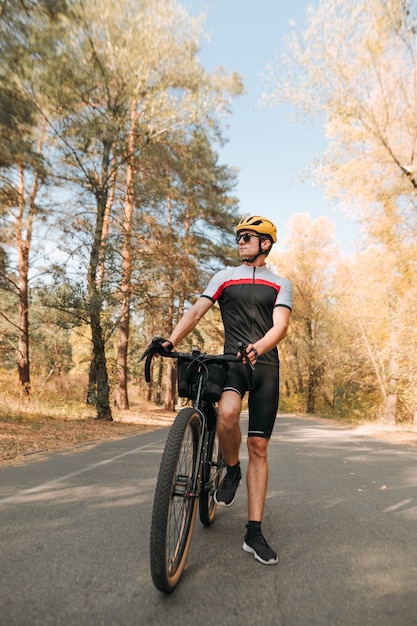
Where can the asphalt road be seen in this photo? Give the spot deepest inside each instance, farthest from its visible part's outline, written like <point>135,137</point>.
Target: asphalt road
<point>341,510</point>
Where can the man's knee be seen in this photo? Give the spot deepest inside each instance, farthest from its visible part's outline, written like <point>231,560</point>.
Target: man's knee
<point>258,447</point>
<point>229,410</point>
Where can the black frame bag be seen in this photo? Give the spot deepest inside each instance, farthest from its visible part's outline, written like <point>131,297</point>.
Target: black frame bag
<point>214,376</point>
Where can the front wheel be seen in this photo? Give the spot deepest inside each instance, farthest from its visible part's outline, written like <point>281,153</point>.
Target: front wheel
<point>174,509</point>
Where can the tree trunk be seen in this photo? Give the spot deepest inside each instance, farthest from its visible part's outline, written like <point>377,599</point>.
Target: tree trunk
<point>158,394</point>
<point>24,222</point>
<point>95,308</point>
<point>390,412</point>
<point>121,394</point>
<point>92,375</point>
<point>169,404</point>
<point>23,361</point>
<point>92,382</point>
<point>312,372</point>
<point>148,392</point>
<point>100,367</point>
<point>122,400</point>
<point>311,392</point>
<point>378,371</point>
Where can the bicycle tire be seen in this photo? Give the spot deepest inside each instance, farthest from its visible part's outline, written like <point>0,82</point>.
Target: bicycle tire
<point>213,468</point>
<point>174,510</point>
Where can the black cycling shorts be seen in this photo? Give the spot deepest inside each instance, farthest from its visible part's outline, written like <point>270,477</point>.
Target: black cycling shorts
<point>263,399</point>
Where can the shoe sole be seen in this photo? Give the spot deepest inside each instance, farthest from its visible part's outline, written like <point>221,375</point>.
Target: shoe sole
<point>257,557</point>
<point>220,503</point>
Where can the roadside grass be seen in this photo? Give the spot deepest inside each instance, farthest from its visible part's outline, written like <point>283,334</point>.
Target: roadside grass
<point>55,416</point>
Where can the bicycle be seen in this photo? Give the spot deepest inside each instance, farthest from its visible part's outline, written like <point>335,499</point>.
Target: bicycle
<point>192,465</point>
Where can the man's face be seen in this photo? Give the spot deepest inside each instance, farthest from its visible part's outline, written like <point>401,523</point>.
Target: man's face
<point>248,242</point>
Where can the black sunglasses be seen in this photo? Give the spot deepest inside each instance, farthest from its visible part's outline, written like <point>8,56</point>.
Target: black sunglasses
<point>245,236</point>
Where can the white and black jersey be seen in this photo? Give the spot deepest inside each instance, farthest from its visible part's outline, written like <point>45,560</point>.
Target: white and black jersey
<point>247,297</point>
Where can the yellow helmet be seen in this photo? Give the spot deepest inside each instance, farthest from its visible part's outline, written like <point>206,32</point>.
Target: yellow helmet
<point>259,224</point>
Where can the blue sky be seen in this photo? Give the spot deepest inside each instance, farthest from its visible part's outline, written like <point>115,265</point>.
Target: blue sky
<point>269,150</point>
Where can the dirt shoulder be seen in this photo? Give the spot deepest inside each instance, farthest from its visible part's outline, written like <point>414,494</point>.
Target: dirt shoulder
<point>401,434</point>
<point>26,439</point>
<point>23,439</point>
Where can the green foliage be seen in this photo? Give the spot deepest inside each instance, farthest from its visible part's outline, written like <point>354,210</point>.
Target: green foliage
<point>104,107</point>
<point>108,104</point>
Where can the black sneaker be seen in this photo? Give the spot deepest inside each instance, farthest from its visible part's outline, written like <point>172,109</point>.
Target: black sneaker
<point>256,544</point>
<point>225,495</point>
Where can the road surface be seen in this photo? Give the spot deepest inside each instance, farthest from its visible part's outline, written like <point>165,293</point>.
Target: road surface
<point>341,510</point>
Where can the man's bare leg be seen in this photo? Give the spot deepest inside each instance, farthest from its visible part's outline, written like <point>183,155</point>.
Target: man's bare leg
<point>228,427</point>
<point>257,477</point>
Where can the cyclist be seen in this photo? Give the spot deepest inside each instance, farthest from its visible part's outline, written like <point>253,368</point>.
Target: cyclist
<point>255,305</point>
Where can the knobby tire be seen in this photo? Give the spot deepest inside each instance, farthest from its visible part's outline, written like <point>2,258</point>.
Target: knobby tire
<point>174,511</point>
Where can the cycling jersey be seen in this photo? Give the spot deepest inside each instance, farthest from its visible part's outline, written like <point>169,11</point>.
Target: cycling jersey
<point>247,296</point>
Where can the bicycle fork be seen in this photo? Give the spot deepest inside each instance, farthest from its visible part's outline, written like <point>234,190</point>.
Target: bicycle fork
<point>193,492</point>
<point>184,488</point>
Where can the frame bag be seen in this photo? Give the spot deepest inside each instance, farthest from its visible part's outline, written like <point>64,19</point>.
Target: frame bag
<point>214,376</point>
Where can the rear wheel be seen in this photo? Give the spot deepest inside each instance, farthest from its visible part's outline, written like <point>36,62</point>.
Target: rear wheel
<point>213,469</point>
<point>175,507</point>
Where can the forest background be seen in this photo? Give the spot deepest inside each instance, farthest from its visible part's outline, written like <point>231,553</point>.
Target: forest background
<point>115,209</point>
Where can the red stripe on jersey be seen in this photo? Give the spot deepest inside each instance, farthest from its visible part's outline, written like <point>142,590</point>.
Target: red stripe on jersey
<point>244,281</point>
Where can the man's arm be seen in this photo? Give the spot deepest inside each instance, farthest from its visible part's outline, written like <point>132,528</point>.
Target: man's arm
<point>280,319</point>
<point>190,320</point>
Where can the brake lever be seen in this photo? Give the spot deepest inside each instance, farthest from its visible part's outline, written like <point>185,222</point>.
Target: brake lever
<point>243,352</point>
